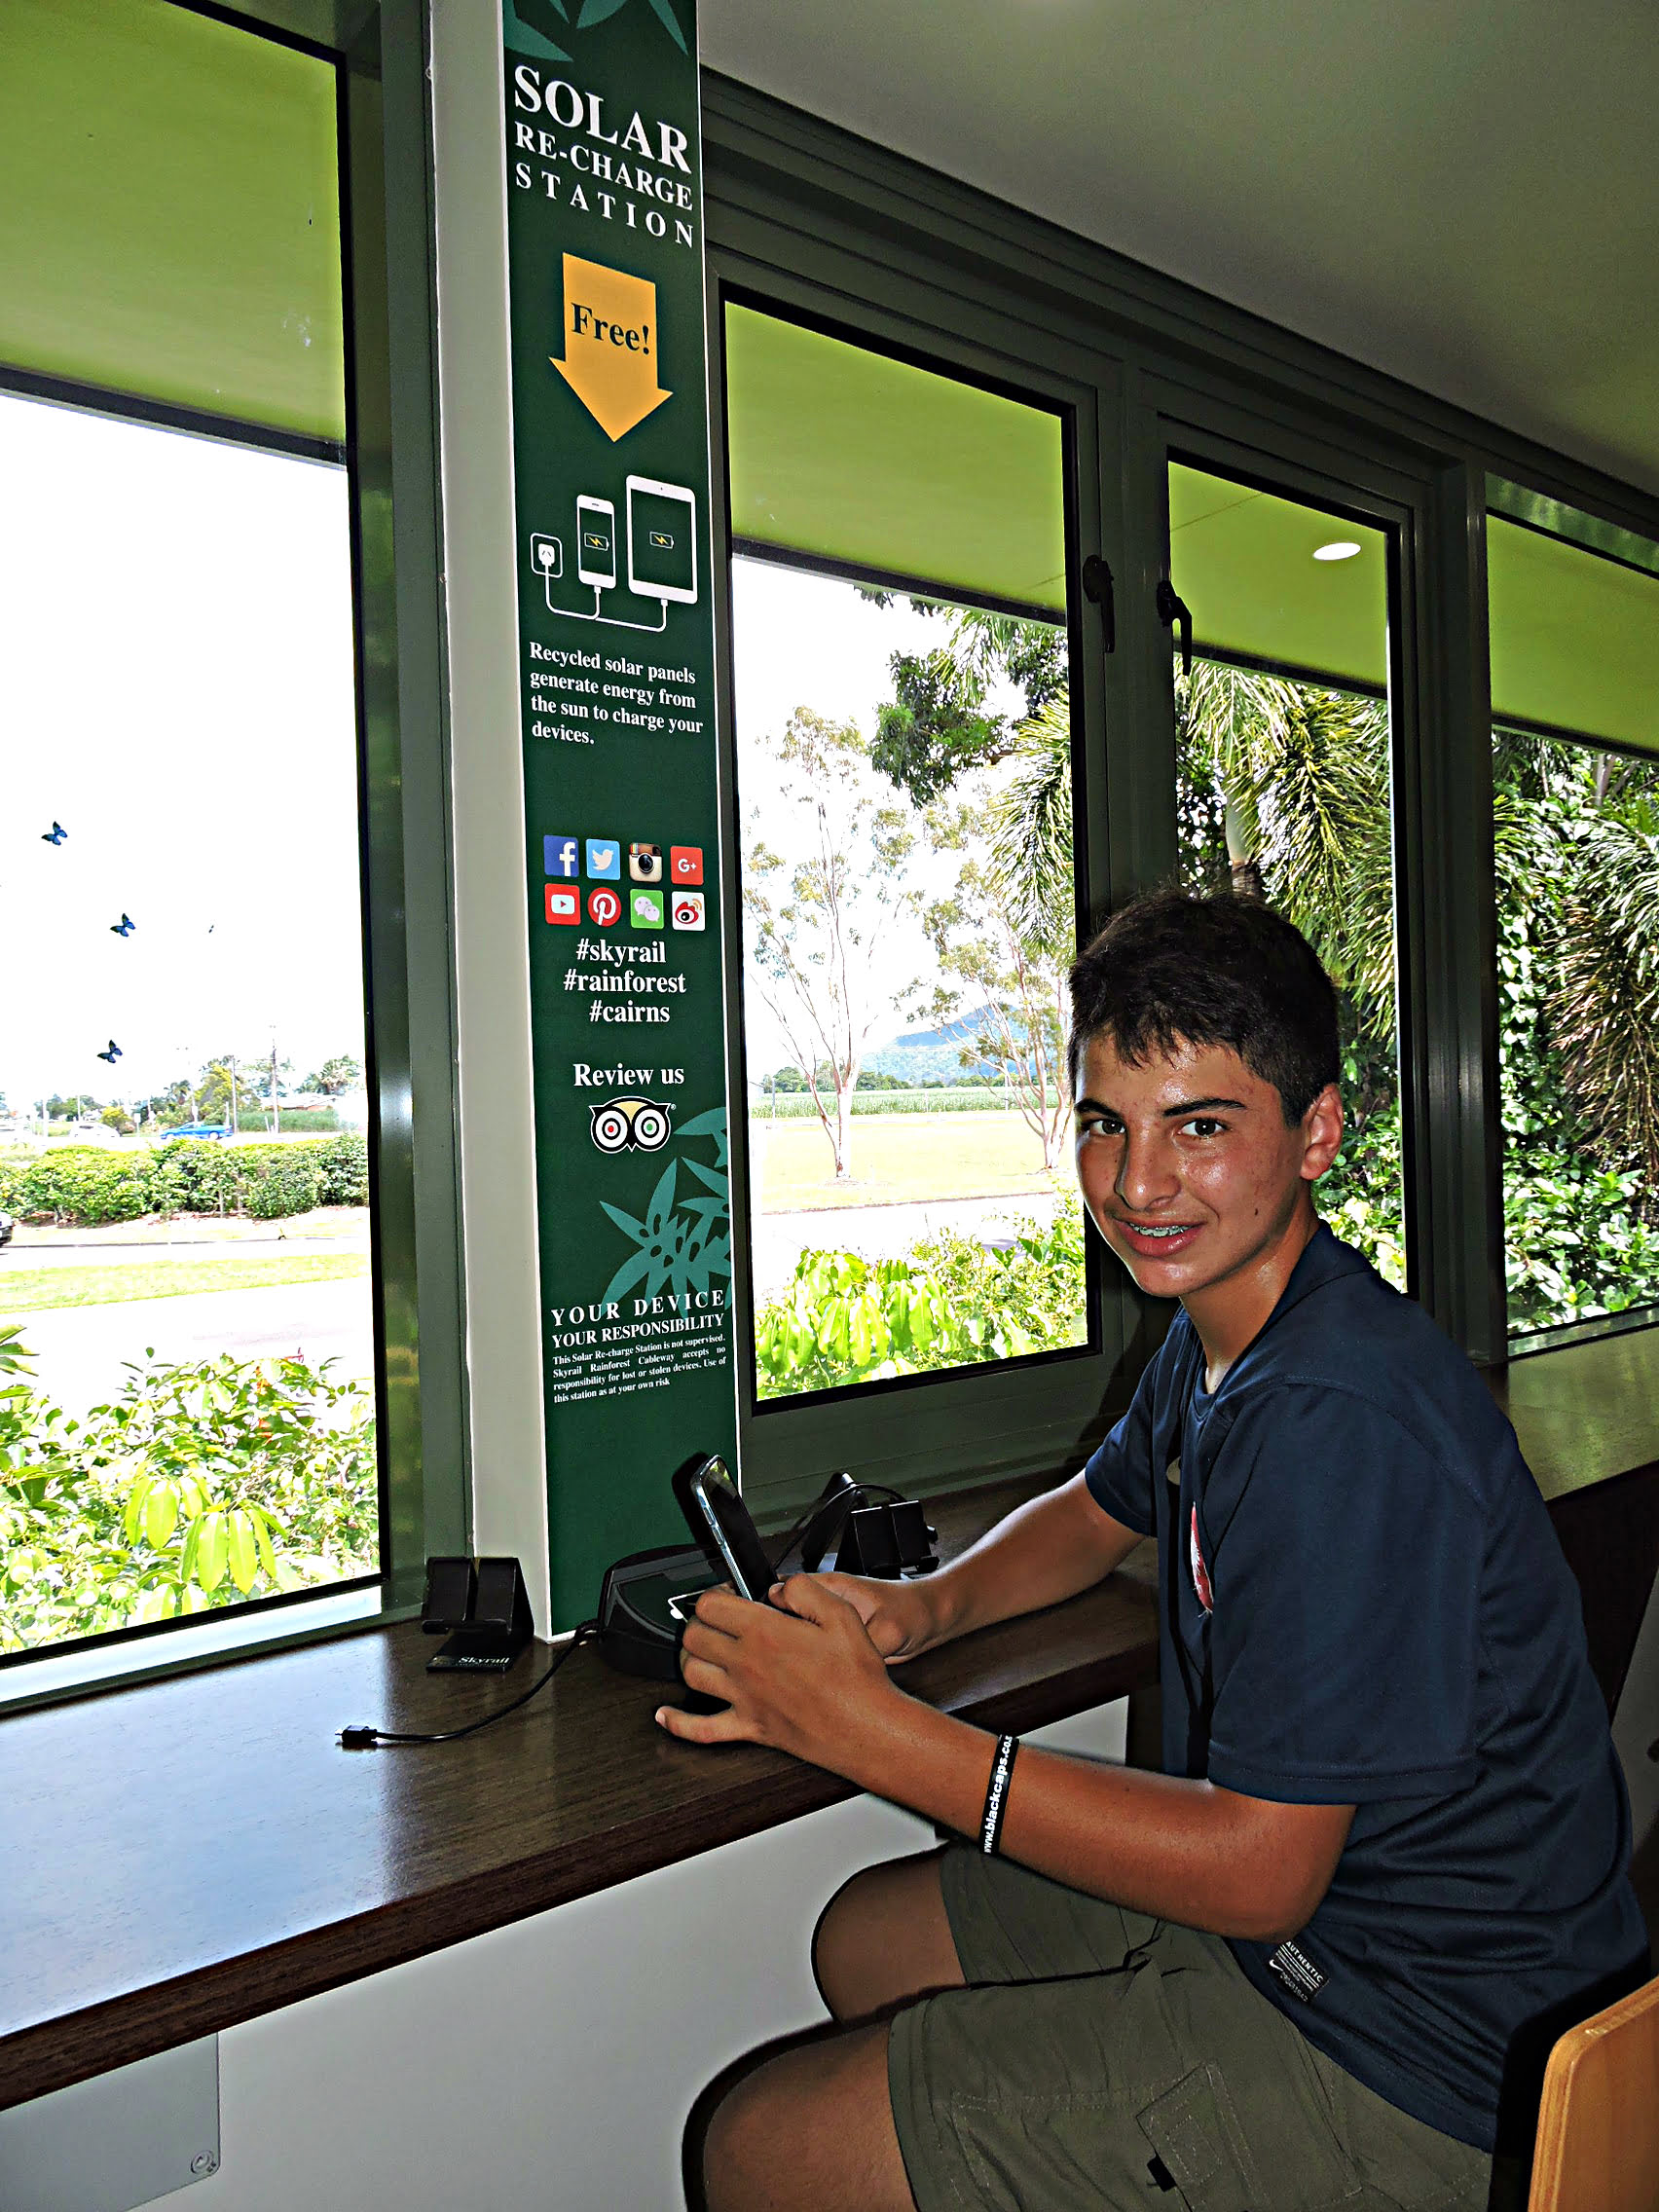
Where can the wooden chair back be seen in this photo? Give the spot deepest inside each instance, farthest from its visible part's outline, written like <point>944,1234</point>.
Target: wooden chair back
<point>1598,2141</point>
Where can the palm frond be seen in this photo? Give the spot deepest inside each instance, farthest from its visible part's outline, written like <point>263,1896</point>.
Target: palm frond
<point>1604,1004</point>
<point>1031,832</point>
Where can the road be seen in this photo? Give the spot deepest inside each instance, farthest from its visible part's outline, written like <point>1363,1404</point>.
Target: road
<point>78,1350</point>
<point>879,1233</point>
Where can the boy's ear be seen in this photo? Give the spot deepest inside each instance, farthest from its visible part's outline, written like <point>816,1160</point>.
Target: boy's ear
<point>1321,1133</point>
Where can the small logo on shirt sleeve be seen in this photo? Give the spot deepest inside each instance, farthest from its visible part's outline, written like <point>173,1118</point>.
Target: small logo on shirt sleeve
<point>1201,1572</point>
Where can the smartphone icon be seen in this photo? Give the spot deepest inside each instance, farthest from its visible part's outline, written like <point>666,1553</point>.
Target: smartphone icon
<point>596,541</point>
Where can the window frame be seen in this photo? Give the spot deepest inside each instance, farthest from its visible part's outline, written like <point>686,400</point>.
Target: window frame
<point>389,451</point>
<point>1552,516</point>
<point>805,218</point>
<point>921,1430</point>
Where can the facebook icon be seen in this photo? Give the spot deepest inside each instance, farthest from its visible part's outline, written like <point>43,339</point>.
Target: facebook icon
<point>561,856</point>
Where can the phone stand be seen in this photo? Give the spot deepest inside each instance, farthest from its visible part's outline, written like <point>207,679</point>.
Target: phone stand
<point>486,1609</point>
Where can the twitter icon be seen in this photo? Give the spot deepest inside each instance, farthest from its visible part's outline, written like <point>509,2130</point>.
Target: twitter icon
<point>603,859</point>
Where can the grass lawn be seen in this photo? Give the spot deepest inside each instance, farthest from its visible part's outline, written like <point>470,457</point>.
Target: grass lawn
<point>38,1289</point>
<point>899,1158</point>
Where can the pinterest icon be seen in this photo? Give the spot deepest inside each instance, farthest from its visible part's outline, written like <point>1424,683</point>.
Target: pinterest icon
<point>603,906</point>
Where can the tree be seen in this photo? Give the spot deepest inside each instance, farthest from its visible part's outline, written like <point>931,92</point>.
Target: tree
<point>936,724</point>
<point>1297,778</point>
<point>817,923</point>
<point>341,1073</point>
<point>1006,936</point>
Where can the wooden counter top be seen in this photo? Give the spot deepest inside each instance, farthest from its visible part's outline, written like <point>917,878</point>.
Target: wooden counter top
<point>187,1853</point>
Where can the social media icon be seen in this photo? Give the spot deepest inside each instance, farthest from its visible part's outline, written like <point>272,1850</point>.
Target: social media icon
<point>645,909</point>
<point>645,863</point>
<point>688,909</point>
<point>561,856</point>
<point>686,864</point>
<point>603,858</point>
<point>603,906</point>
<point>564,902</point>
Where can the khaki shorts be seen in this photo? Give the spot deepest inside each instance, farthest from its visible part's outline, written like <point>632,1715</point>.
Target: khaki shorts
<point>1101,2059</point>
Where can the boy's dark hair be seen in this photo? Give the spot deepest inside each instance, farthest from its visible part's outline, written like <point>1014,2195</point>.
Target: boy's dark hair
<point>1172,969</point>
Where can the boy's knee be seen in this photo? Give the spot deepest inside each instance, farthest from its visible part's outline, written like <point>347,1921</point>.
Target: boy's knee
<point>839,1943</point>
<point>736,2145</point>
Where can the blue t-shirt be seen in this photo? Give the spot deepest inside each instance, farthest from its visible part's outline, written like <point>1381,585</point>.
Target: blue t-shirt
<point>1364,1604</point>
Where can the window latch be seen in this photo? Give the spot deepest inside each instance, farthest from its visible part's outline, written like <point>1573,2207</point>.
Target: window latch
<point>1097,586</point>
<point>1173,608</point>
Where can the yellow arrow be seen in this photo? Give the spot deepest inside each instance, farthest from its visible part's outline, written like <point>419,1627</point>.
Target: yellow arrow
<point>611,345</point>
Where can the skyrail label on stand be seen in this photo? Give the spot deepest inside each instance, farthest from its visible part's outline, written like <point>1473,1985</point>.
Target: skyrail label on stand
<point>611,449</point>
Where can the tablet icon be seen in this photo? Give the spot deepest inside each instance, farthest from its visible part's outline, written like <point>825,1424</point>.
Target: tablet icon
<point>645,863</point>
<point>564,904</point>
<point>645,909</point>
<point>687,910</point>
<point>603,858</point>
<point>686,864</point>
<point>605,907</point>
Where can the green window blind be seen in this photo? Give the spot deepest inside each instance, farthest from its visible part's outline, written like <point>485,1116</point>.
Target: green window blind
<point>1243,562</point>
<point>1574,638</point>
<point>172,229</point>
<point>877,469</point>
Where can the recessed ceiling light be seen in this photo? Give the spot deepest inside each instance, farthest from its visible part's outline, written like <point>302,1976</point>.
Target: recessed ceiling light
<point>1339,549</point>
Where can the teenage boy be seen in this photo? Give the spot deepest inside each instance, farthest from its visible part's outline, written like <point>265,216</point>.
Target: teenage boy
<point>1387,1854</point>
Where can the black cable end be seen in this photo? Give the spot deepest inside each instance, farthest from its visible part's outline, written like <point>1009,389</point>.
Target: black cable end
<point>358,1738</point>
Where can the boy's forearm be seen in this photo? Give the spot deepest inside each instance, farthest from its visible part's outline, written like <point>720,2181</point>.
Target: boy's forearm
<point>1174,1849</point>
<point>1043,1552</point>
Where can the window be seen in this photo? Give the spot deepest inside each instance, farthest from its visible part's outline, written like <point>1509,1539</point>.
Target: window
<point>1283,780</point>
<point>904,773</point>
<point>1575,796</point>
<point>206,1199</point>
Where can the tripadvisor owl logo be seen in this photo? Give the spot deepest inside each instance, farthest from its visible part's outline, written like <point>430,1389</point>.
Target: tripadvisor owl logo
<point>631,1124</point>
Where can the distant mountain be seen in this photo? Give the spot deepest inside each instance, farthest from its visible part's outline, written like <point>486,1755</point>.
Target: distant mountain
<point>932,1055</point>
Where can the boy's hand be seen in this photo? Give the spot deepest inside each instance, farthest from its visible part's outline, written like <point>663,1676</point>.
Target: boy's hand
<point>897,1618</point>
<point>801,1673</point>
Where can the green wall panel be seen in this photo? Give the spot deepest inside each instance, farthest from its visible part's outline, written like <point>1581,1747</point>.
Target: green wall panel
<point>1574,637</point>
<point>172,217</point>
<point>869,462</point>
<point>1243,562</point>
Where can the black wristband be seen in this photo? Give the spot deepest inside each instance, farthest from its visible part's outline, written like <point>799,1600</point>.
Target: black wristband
<point>996,1794</point>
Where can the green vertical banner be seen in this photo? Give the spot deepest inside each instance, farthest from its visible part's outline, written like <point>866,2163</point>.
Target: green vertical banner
<point>611,449</point>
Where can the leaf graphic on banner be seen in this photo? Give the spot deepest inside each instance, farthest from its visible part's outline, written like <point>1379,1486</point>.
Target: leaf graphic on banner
<point>677,1250</point>
<point>712,1123</point>
<point>597,12</point>
<point>669,22</point>
<point>537,20</point>
<point>712,1176</point>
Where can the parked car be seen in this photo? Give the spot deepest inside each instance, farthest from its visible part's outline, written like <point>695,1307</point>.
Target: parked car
<point>7,1226</point>
<point>196,1130</point>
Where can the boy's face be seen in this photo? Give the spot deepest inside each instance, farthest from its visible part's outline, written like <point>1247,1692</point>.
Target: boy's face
<point>1190,1171</point>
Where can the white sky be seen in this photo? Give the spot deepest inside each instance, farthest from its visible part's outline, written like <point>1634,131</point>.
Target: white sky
<point>176,691</point>
<point>805,640</point>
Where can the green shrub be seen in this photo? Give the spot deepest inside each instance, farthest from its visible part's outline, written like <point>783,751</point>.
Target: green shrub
<point>277,1179</point>
<point>344,1164</point>
<point>75,1183</point>
<point>949,1301</point>
<point>194,1175</point>
<point>205,1483</point>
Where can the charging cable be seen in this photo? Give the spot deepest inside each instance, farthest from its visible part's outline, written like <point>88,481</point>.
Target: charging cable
<point>363,1738</point>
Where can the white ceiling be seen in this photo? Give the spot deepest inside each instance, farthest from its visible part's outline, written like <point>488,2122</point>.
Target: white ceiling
<point>1464,193</point>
